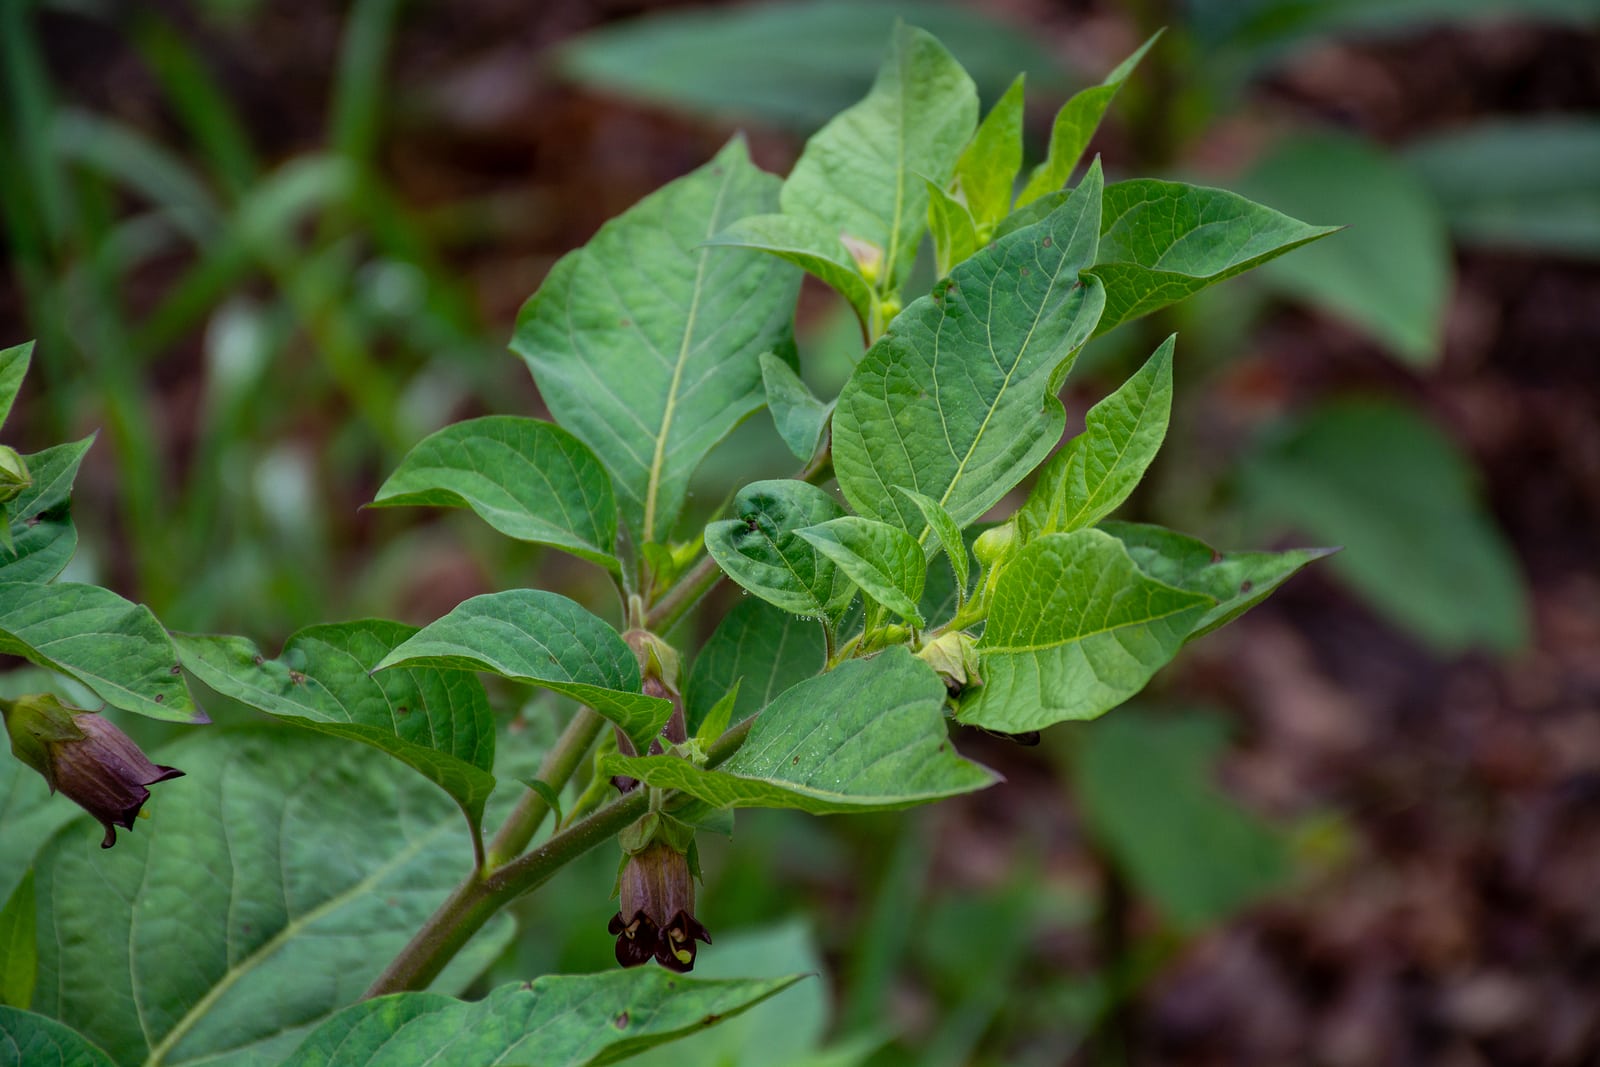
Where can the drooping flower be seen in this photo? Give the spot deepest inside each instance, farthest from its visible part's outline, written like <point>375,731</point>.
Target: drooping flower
<point>656,919</point>
<point>85,757</point>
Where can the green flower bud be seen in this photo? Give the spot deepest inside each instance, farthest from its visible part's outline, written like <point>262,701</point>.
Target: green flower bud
<point>954,656</point>
<point>995,544</point>
<point>85,757</point>
<point>14,476</point>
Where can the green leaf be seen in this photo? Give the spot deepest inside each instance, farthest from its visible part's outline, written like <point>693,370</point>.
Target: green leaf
<point>437,722</point>
<point>885,561</point>
<point>762,550</point>
<point>528,479</point>
<point>542,639</point>
<point>800,1015</point>
<point>956,400</point>
<point>1390,274</point>
<point>13,369</point>
<point>945,530</point>
<point>1402,499</point>
<point>986,173</point>
<point>42,535</point>
<point>19,951</point>
<point>1096,470</point>
<point>793,63</point>
<point>565,1020</point>
<point>29,1040</point>
<point>1145,789</point>
<point>1237,581</point>
<point>1163,241</point>
<point>867,735</point>
<point>116,648</point>
<point>646,344</point>
<point>29,813</point>
<point>1521,183</point>
<point>799,416</point>
<point>862,174</point>
<point>761,649</point>
<point>955,234</point>
<point>810,246</point>
<point>1073,128</point>
<point>1074,629</point>
<point>268,889</point>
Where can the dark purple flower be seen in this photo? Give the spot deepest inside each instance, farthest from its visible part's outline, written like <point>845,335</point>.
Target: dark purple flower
<point>81,754</point>
<point>657,917</point>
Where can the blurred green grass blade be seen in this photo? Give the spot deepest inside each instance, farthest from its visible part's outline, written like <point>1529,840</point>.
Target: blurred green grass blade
<point>1399,495</point>
<point>1531,183</point>
<point>886,932</point>
<point>125,155</point>
<point>358,90</point>
<point>1390,273</point>
<point>199,102</point>
<point>794,64</point>
<point>1143,785</point>
<point>28,103</point>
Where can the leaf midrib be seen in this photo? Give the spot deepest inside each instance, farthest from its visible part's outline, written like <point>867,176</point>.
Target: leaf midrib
<point>653,486</point>
<point>292,928</point>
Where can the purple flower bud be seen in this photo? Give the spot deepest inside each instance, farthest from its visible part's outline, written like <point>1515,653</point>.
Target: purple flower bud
<point>657,917</point>
<point>81,754</point>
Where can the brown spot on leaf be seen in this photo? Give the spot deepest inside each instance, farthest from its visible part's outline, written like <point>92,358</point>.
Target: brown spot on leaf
<point>621,1021</point>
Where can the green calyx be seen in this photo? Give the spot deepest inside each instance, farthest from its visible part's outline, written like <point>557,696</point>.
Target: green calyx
<point>36,722</point>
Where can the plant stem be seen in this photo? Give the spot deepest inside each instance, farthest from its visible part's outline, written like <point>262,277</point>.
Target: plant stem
<point>481,894</point>
<point>555,769</point>
<point>696,583</point>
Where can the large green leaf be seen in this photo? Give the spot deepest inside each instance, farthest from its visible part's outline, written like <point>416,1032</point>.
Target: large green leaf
<point>797,63</point>
<point>1096,470</point>
<point>867,735</point>
<point>1390,274</point>
<point>19,944</point>
<point>646,344</point>
<point>885,561</point>
<point>762,550</point>
<point>1144,786</point>
<point>956,400</point>
<point>13,369</point>
<point>543,639</point>
<point>1074,629</point>
<point>437,722</point>
<point>29,1040</point>
<point>1073,128</point>
<point>554,1021</point>
<point>864,174</point>
<point>42,535</point>
<point>1163,241</point>
<point>1523,184</point>
<point>269,888</point>
<point>528,479</point>
<point>114,647</point>
<point>758,647</point>
<point>1238,581</point>
<point>801,1015</point>
<point>28,811</point>
<point>1401,498</point>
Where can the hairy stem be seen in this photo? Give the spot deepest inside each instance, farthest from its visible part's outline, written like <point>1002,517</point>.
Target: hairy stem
<point>475,901</point>
<point>555,769</point>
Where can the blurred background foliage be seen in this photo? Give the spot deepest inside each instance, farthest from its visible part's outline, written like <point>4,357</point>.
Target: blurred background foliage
<point>265,247</point>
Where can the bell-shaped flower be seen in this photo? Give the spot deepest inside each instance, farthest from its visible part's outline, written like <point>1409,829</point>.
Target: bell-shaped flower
<point>85,757</point>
